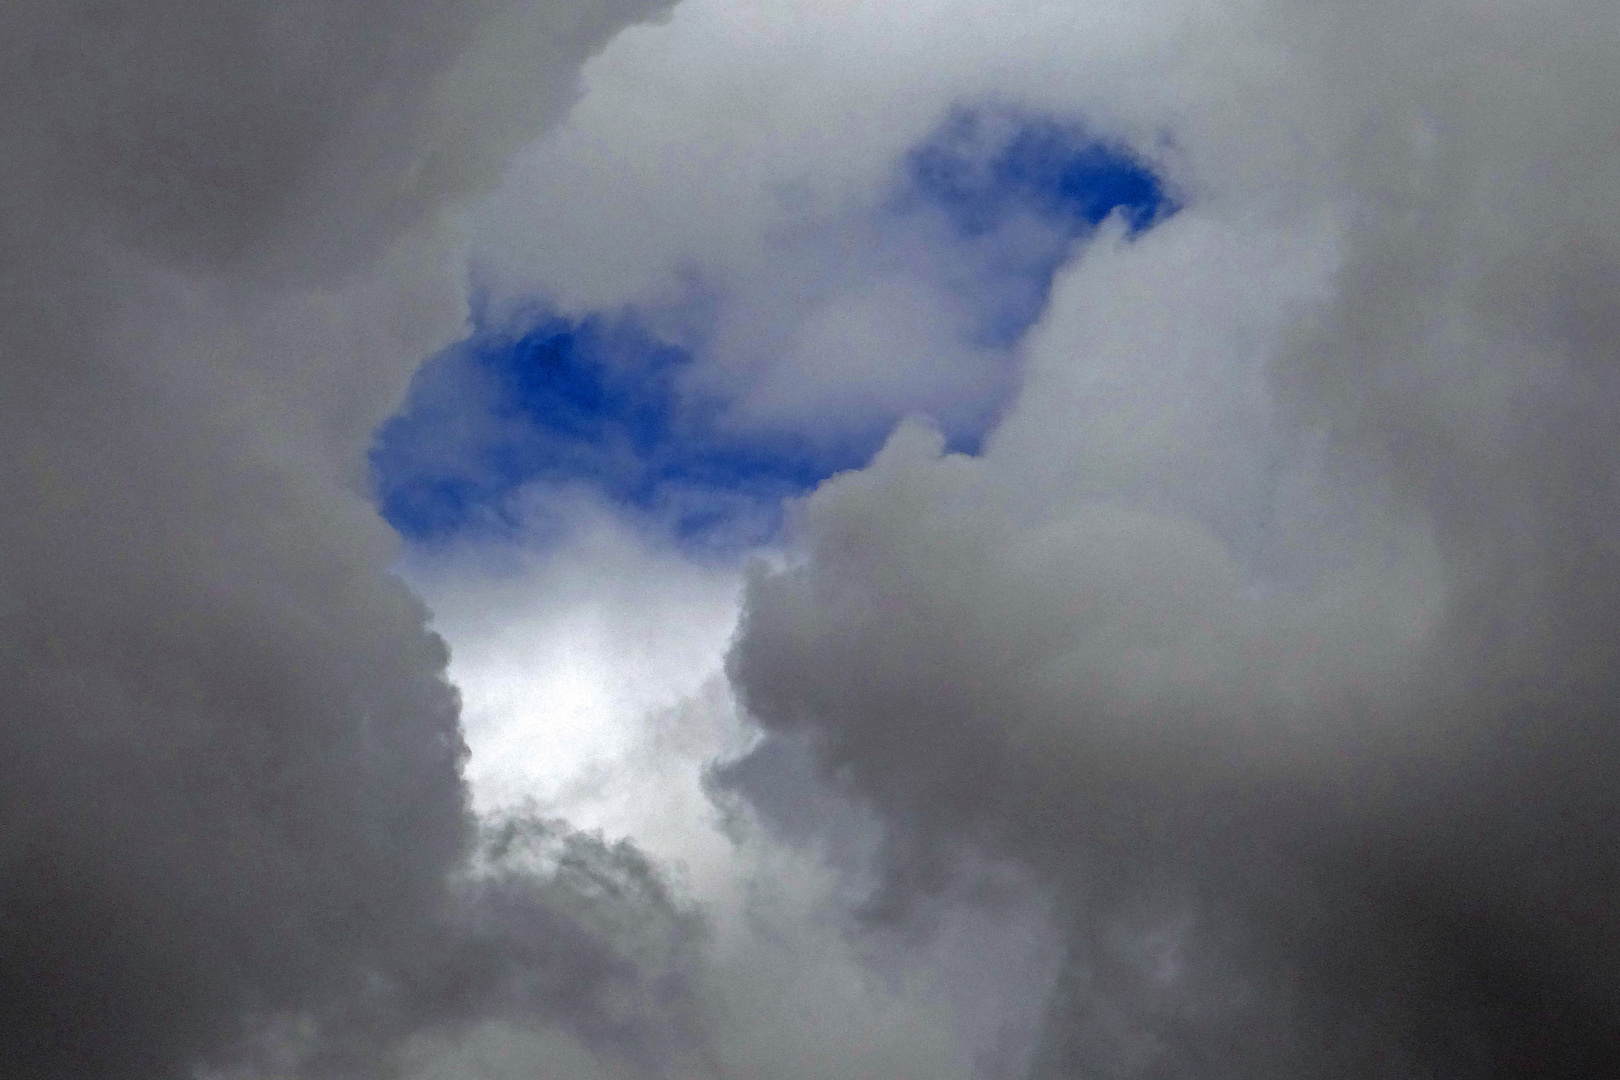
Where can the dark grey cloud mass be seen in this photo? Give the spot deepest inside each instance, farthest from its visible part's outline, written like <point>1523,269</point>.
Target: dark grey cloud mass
<point>232,816</point>
<point>1279,634</point>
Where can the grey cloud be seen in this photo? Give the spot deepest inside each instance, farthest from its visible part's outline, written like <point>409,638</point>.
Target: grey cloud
<point>546,924</point>
<point>232,762</point>
<point>286,140</point>
<point>1275,628</point>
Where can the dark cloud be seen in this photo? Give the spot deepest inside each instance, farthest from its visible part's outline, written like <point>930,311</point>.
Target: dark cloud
<point>1275,629</point>
<point>547,927</point>
<point>232,762</point>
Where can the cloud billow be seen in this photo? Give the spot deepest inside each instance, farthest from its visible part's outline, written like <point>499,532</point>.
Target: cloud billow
<point>233,764</point>
<point>1274,628</point>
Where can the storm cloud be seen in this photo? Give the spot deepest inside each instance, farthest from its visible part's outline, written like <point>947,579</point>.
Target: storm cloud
<point>233,803</point>
<point>1274,627</point>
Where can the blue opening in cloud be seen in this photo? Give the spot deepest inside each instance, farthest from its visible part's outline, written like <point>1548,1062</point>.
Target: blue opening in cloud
<point>988,170</point>
<point>591,405</point>
<point>983,166</point>
<point>597,404</point>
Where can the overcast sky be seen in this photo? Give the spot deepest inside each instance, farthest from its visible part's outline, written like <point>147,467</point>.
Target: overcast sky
<point>805,540</point>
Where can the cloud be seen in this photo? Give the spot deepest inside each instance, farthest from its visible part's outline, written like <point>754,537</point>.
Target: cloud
<point>1273,627</point>
<point>594,689</point>
<point>233,786</point>
<point>1221,661</point>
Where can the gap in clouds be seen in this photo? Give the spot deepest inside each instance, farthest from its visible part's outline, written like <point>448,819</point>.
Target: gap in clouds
<point>986,168</point>
<point>591,404</point>
<point>535,407</point>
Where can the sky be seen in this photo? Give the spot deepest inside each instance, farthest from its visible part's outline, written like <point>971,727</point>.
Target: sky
<point>805,540</point>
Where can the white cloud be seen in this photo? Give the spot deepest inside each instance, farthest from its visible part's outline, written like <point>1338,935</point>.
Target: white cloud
<point>592,684</point>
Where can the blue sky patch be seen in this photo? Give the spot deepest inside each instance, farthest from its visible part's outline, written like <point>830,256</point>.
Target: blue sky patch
<point>590,404</point>
<point>982,166</point>
<point>987,170</point>
<point>598,404</point>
